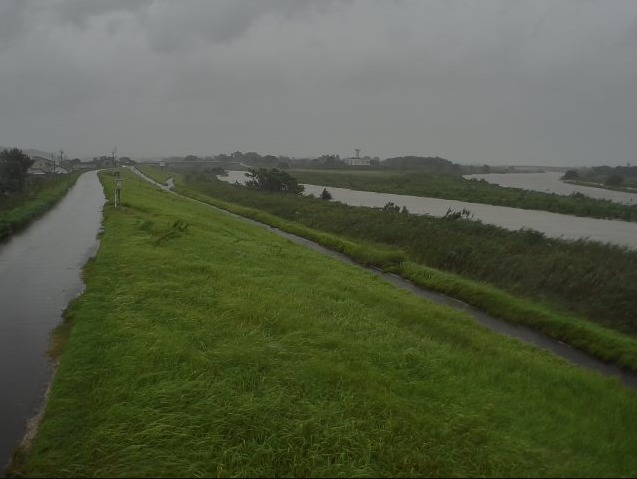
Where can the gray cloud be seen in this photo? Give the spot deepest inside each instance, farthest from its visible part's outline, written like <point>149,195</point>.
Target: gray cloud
<point>530,81</point>
<point>80,12</point>
<point>12,20</point>
<point>19,18</point>
<point>174,26</point>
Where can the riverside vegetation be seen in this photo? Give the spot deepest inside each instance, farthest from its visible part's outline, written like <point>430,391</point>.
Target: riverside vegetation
<point>455,187</point>
<point>159,175</point>
<point>562,288</point>
<point>224,350</point>
<point>618,178</point>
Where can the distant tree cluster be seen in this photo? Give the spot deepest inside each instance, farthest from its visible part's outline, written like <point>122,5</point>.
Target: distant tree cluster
<point>255,159</point>
<point>420,162</point>
<point>250,158</point>
<point>614,180</point>
<point>609,175</point>
<point>328,161</point>
<point>273,180</point>
<point>71,164</point>
<point>625,171</point>
<point>570,175</point>
<point>104,162</point>
<point>13,171</point>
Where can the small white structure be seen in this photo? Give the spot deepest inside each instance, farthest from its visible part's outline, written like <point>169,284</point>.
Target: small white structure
<point>357,160</point>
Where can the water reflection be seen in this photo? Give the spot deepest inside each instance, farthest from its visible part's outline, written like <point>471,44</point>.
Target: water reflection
<point>39,275</point>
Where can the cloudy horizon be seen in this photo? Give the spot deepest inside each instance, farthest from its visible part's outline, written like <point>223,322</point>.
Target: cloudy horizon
<point>532,82</point>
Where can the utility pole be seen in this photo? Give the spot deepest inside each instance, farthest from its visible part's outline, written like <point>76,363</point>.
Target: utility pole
<point>114,153</point>
<point>61,158</point>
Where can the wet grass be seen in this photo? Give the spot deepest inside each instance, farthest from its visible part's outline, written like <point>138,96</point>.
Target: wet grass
<point>228,351</point>
<point>373,237</point>
<point>628,186</point>
<point>455,187</point>
<point>582,277</point>
<point>158,174</point>
<point>17,212</point>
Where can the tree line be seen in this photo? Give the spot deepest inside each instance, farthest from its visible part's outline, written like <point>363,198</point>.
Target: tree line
<point>14,165</point>
<point>610,176</point>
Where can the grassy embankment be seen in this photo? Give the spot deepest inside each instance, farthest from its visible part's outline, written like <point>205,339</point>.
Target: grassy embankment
<point>160,175</point>
<point>629,186</point>
<point>455,187</point>
<point>224,350</point>
<point>18,211</point>
<point>579,292</point>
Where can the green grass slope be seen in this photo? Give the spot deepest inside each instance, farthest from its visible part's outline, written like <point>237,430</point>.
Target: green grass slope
<point>204,346</point>
<point>545,284</point>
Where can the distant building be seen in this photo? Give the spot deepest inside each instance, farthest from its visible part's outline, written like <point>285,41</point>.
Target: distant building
<point>357,160</point>
<point>104,162</point>
<point>76,164</point>
<point>42,166</point>
<point>126,161</point>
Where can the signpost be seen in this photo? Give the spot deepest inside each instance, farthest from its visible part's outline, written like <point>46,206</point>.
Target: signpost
<point>118,189</point>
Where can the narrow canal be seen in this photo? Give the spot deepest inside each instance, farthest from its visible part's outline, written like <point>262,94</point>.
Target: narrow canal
<point>40,272</point>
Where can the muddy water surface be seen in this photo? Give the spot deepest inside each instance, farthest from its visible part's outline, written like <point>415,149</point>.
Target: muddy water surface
<point>551,224</point>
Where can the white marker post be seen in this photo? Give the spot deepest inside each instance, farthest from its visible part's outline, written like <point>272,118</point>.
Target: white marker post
<point>118,190</point>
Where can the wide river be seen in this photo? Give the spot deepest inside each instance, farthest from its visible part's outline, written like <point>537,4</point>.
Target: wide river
<point>39,275</point>
<point>549,182</point>
<point>552,224</point>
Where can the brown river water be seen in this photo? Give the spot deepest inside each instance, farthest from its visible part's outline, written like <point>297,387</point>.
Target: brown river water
<point>552,224</point>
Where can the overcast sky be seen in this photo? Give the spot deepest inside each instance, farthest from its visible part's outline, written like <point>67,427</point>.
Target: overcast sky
<point>502,82</point>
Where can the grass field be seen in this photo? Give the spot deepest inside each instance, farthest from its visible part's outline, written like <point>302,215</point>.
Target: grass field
<point>628,186</point>
<point>563,288</point>
<point>17,212</point>
<point>158,174</point>
<point>455,187</point>
<point>204,346</point>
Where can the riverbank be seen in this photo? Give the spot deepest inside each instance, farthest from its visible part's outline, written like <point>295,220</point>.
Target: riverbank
<point>28,206</point>
<point>455,187</point>
<point>515,331</point>
<point>603,186</point>
<point>225,350</point>
<point>560,288</point>
<point>161,175</point>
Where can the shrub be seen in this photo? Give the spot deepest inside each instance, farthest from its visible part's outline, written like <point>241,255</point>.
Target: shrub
<point>273,180</point>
